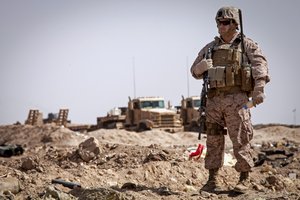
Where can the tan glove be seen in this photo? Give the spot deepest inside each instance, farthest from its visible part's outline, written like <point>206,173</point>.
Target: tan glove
<point>258,95</point>
<point>201,67</point>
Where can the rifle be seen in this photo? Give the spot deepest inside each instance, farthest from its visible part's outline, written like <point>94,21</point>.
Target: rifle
<point>203,96</point>
<point>247,80</point>
<point>242,34</point>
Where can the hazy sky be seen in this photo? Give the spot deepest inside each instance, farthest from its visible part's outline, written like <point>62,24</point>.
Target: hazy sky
<point>82,55</point>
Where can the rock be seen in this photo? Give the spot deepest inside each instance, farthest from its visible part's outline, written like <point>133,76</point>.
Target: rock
<point>189,182</point>
<point>258,187</point>
<point>271,180</point>
<point>129,186</point>
<point>293,176</point>
<point>29,163</point>
<point>7,195</point>
<point>52,193</point>
<point>155,157</point>
<point>189,188</point>
<point>89,149</point>
<point>10,184</point>
<point>205,194</point>
<point>99,194</point>
<point>164,191</point>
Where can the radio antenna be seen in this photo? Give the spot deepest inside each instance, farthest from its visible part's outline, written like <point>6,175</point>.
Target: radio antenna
<point>187,75</point>
<point>133,71</point>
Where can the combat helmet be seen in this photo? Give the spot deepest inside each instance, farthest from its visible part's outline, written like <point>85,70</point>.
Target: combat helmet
<point>228,12</point>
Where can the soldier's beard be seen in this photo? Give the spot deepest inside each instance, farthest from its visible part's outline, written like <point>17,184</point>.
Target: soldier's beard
<point>229,33</point>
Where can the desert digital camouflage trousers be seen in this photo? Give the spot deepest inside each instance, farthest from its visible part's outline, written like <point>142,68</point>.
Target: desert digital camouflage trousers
<point>227,110</point>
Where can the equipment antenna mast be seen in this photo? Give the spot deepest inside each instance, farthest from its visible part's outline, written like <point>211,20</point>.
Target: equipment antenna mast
<point>187,75</point>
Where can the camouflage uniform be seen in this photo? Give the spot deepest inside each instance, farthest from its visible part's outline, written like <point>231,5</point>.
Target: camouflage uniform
<point>224,108</point>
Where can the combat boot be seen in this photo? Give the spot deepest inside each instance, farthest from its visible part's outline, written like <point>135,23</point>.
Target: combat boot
<point>212,185</point>
<point>244,183</point>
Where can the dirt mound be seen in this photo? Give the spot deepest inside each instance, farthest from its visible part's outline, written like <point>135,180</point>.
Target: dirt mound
<point>117,164</point>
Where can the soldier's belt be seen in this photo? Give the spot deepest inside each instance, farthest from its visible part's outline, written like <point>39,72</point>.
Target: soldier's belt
<point>224,91</point>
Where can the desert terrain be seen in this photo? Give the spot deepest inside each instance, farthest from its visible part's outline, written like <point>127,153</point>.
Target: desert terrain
<point>119,165</point>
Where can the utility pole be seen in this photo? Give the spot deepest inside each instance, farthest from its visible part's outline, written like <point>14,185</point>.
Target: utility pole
<point>133,70</point>
<point>187,75</point>
<point>294,116</point>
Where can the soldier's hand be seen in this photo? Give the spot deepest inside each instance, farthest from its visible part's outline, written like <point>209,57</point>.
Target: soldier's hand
<point>202,67</point>
<point>209,63</point>
<point>258,95</point>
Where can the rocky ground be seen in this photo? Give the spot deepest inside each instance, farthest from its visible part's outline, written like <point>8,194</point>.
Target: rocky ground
<point>117,164</point>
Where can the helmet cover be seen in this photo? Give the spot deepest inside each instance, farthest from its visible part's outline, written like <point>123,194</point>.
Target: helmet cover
<point>228,12</point>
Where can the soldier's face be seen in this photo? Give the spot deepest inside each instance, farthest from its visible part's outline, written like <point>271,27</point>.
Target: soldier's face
<point>226,27</point>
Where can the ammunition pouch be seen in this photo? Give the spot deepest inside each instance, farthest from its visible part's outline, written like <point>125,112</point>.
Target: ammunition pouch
<point>216,76</point>
<point>247,79</point>
<point>215,129</point>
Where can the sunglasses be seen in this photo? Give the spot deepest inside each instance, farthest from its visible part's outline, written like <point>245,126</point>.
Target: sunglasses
<point>225,23</point>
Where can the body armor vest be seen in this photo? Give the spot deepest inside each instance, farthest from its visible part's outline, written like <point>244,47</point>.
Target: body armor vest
<point>228,71</point>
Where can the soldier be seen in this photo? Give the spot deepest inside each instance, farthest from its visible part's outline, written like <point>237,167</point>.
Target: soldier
<point>236,70</point>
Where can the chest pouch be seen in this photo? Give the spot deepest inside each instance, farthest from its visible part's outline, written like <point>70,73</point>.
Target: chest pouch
<point>229,76</point>
<point>227,72</point>
<point>217,76</point>
<point>247,80</point>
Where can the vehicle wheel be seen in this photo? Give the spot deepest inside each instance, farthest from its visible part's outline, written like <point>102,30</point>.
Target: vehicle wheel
<point>194,127</point>
<point>142,127</point>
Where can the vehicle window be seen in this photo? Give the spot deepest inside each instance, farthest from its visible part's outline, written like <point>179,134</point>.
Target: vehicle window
<point>152,104</point>
<point>197,103</point>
